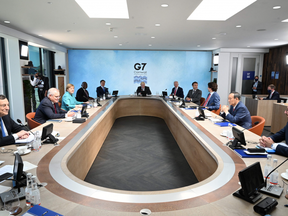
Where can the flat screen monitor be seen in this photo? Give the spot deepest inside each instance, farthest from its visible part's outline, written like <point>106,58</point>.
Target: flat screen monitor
<point>17,170</point>
<point>47,135</point>
<point>201,112</point>
<point>239,139</point>
<point>115,93</point>
<point>84,109</point>
<point>164,93</point>
<point>251,179</point>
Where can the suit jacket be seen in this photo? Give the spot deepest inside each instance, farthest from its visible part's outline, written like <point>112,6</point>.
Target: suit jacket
<point>100,91</point>
<point>147,90</point>
<point>81,95</point>
<point>11,127</point>
<point>259,88</point>
<point>240,115</point>
<point>46,111</point>
<point>275,96</point>
<point>279,137</point>
<point>196,96</point>
<point>179,92</point>
<point>214,101</point>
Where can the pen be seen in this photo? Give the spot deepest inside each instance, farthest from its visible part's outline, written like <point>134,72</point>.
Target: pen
<point>45,213</point>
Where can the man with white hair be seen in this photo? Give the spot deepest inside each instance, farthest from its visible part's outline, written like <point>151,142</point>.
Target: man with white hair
<point>49,108</point>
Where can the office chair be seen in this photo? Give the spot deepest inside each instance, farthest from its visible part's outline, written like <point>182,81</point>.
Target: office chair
<point>258,123</point>
<point>31,123</point>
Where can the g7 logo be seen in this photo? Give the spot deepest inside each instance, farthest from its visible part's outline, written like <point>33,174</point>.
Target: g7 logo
<point>137,66</point>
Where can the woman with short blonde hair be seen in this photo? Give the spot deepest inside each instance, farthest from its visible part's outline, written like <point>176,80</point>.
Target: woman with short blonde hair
<point>68,100</point>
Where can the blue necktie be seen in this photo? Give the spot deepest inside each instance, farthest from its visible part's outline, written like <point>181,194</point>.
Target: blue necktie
<point>103,89</point>
<point>2,127</point>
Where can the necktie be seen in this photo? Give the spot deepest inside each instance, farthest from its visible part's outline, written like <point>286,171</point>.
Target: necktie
<point>2,127</point>
<point>86,92</point>
<point>175,91</point>
<point>207,100</point>
<point>103,89</point>
<point>271,95</point>
<point>55,108</point>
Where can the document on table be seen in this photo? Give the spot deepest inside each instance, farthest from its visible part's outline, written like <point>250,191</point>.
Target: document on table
<point>28,140</point>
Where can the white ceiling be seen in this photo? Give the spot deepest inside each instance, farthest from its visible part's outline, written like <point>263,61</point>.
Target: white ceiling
<point>63,21</point>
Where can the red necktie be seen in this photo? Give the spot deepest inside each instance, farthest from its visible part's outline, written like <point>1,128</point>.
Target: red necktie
<point>175,91</point>
<point>207,100</point>
<point>55,108</point>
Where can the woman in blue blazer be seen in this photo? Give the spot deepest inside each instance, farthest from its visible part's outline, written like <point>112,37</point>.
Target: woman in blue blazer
<point>68,100</point>
<point>212,101</point>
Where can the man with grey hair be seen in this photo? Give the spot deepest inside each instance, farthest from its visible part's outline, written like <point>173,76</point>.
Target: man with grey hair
<point>238,112</point>
<point>49,108</point>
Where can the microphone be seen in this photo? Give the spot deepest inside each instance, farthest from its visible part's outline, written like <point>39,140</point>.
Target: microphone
<point>19,121</point>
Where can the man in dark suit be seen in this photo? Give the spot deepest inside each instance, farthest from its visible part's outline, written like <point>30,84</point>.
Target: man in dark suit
<point>82,94</point>
<point>143,90</point>
<point>101,90</point>
<point>272,94</point>
<point>212,101</point>
<point>49,108</point>
<point>238,112</point>
<point>275,141</point>
<point>177,91</point>
<point>194,95</point>
<point>256,86</point>
<point>10,130</point>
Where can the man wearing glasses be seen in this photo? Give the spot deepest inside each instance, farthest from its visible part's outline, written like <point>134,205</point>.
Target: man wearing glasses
<point>275,141</point>
<point>9,130</point>
<point>49,108</point>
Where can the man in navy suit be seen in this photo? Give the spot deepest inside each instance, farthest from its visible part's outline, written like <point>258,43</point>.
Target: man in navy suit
<point>273,95</point>
<point>212,101</point>
<point>177,91</point>
<point>101,90</point>
<point>10,130</point>
<point>275,141</point>
<point>143,90</point>
<point>49,108</point>
<point>238,112</point>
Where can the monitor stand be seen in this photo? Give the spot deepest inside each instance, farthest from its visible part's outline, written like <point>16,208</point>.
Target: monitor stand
<point>252,199</point>
<point>51,140</point>
<point>236,145</point>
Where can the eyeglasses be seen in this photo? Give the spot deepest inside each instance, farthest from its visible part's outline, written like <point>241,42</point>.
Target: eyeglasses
<point>57,97</point>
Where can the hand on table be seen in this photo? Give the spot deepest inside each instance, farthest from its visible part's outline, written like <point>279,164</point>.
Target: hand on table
<point>266,142</point>
<point>224,108</point>
<point>23,134</point>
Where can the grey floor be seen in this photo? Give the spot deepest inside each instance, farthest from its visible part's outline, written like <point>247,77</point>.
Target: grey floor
<point>266,131</point>
<point>140,154</point>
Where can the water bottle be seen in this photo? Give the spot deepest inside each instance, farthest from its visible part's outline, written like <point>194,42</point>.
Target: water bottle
<point>78,114</point>
<point>268,168</point>
<point>197,112</point>
<point>28,189</point>
<point>229,132</point>
<point>37,141</point>
<point>35,193</point>
<point>275,174</point>
<point>104,97</point>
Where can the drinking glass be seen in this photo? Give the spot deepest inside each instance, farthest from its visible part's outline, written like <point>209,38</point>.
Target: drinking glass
<point>12,205</point>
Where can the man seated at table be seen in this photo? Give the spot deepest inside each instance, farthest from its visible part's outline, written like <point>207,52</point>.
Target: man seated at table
<point>10,130</point>
<point>177,90</point>
<point>194,95</point>
<point>82,94</point>
<point>49,108</point>
<point>238,112</point>
<point>273,95</point>
<point>143,90</point>
<point>275,141</point>
<point>101,90</point>
<point>212,101</point>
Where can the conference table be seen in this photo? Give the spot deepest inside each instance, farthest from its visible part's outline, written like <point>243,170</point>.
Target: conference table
<point>216,166</point>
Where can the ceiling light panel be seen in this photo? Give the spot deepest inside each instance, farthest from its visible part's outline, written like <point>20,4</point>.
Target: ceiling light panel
<point>218,10</point>
<point>117,9</point>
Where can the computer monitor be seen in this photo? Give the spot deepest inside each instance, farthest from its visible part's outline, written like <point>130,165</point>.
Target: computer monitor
<point>18,172</point>
<point>115,93</point>
<point>47,135</point>
<point>239,139</point>
<point>84,111</point>
<point>164,93</point>
<point>251,179</point>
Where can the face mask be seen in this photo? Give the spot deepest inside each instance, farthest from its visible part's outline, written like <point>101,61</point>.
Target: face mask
<point>269,92</point>
<point>256,80</point>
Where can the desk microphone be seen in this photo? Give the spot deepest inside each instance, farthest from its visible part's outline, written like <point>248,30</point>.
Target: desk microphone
<point>19,121</point>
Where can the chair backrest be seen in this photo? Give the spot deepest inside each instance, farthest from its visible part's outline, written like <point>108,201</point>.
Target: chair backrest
<point>282,99</point>
<point>257,128</point>
<point>31,123</point>
<point>217,112</point>
<point>202,101</point>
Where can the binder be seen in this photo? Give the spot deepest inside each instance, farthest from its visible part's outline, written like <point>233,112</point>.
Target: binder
<point>39,211</point>
<point>242,154</point>
<point>224,124</point>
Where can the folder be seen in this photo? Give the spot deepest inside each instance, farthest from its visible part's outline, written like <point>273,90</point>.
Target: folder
<point>39,211</point>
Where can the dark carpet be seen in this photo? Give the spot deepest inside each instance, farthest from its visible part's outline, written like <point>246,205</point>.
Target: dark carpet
<point>140,154</point>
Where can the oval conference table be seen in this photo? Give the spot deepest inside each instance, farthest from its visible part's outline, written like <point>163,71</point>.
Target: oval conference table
<point>216,166</point>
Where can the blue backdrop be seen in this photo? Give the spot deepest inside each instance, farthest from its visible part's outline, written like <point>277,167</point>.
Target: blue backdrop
<point>123,70</point>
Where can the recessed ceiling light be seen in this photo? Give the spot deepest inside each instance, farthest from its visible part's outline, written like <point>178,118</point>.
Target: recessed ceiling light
<point>276,39</point>
<point>164,5</point>
<point>120,44</point>
<point>198,45</point>
<point>157,24</point>
<point>213,38</point>
<point>152,37</point>
<point>276,7</point>
<point>115,36</point>
<point>108,23</point>
<point>218,10</point>
<point>105,8</point>
<point>7,21</point>
<point>238,26</point>
<point>248,46</point>
<point>150,45</point>
<point>285,20</point>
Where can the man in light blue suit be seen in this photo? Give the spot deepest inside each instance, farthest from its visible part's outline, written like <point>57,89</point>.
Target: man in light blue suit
<point>238,112</point>
<point>275,141</point>
<point>212,101</point>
